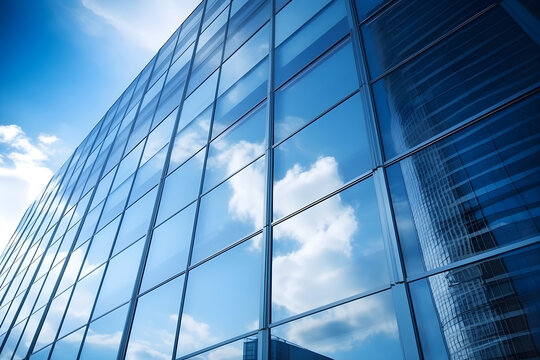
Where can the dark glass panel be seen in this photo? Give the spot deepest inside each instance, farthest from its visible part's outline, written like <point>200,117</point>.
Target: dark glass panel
<point>479,66</point>
<point>246,17</point>
<point>471,192</point>
<point>408,26</point>
<point>487,310</point>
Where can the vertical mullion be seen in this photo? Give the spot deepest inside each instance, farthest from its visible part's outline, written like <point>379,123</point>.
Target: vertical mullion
<point>263,348</point>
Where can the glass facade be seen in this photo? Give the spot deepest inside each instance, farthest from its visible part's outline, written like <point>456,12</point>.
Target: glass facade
<point>305,179</point>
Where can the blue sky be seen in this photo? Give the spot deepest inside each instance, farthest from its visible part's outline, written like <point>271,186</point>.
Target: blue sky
<point>63,64</point>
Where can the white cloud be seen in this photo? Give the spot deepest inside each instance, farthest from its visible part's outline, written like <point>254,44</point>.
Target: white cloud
<point>146,24</point>
<point>24,172</point>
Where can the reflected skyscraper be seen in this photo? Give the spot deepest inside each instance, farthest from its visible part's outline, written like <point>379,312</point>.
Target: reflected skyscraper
<point>299,179</point>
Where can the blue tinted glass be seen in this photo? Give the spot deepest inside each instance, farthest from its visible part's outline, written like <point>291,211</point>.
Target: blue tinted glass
<point>486,310</point>
<point>250,54</point>
<point>148,175</point>
<point>198,101</point>
<point>136,221</point>
<point>388,41</point>
<point>181,187</point>
<point>231,211</point>
<point>190,27</point>
<point>234,278</point>
<point>190,139</point>
<point>103,336</point>
<point>236,147</point>
<point>100,247</point>
<point>245,349</point>
<point>243,95</point>
<point>116,201</point>
<point>154,324</point>
<point>484,197</point>
<point>362,329</point>
<point>174,86</point>
<point>53,319</point>
<point>304,29</point>
<point>73,267</point>
<point>81,302</point>
<point>119,279</point>
<point>329,252</point>
<point>321,158</point>
<point>42,354</point>
<point>28,335</point>
<point>366,8</point>
<point>169,248</point>
<point>303,98</point>
<point>163,58</point>
<point>68,347</point>
<point>483,63</point>
<point>246,17</point>
<point>159,137</point>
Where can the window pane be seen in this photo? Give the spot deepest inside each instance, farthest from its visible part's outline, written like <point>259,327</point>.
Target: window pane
<point>190,139</point>
<point>333,250</point>
<point>68,347</point>
<point>148,176</point>
<point>363,329</point>
<point>408,26</point>
<point>245,349</point>
<point>237,147</point>
<point>181,187</point>
<point>159,137</point>
<point>321,158</point>
<point>197,102</point>
<point>53,319</point>
<point>471,192</point>
<point>169,248</point>
<point>246,17</point>
<point>230,212</point>
<point>136,221</point>
<point>104,334</point>
<point>304,29</point>
<point>73,267</point>
<point>100,248</point>
<point>234,278</point>
<point>482,311</point>
<point>482,64</point>
<point>119,279</point>
<point>81,302</point>
<point>154,324</point>
<point>303,98</point>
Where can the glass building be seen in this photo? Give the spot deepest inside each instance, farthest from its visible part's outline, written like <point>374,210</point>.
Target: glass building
<point>305,179</point>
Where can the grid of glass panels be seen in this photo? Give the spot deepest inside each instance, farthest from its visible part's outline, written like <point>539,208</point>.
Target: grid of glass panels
<point>305,179</point>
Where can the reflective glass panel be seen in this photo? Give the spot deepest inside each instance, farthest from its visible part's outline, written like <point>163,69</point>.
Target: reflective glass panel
<point>408,26</point>
<point>333,250</point>
<point>471,192</point>
<point>100,247</point>
<point>246,17</point>
<point>136,221</point>
<point>237,147</point>
<point>119,279</point>
<point>181,187</point>
<point>169,248</point>
<point>81,302</point>
<point>321,158</point>
<point>304,29</point>
<point>154,325</point>
<point>303,98</point>
<point>477,67</point>
<point>231,211</point>
<point>104,334</point>
<point>245,349</point>
<point>234,278</point>
<point>486,310</point>
<point>52,320</point>
<point>362,329</point>
<point>68,347</point>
